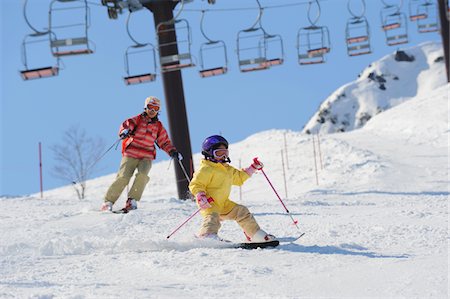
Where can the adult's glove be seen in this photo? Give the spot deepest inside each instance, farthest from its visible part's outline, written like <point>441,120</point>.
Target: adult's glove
<point>124,133</point>
<point>203,201</point>
<point>176,155</point>
<point>258,165</point>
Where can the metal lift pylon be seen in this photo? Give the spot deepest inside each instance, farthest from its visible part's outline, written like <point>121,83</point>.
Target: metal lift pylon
<point>174,96</point>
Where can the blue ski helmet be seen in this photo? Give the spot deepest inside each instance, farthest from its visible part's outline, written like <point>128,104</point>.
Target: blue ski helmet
<point>211,143</point>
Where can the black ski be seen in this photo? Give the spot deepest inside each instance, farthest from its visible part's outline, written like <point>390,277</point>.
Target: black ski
<point>121,211</point>
<point>270,244</point>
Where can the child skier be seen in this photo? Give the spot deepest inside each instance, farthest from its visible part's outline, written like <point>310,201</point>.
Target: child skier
<point>139,135</point>
<point>211,186</point>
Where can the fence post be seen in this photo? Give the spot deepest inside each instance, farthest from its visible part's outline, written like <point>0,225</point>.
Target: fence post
<point>315,159</point>
<point>40,170</point>
<point>286,151</point>
<point>284,175</point>
<point>320,152</point>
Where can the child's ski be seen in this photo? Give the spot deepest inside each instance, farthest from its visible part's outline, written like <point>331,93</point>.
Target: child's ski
<point>270,244</point>
<point>121,211</point>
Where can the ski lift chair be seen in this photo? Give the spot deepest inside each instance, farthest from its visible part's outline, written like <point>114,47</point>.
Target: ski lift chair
<point>313,42</point>
<point>68,21</point>
<point>431,22</point>
<point>212,50</point>
<point>207,69</point>
<point>394,25</point>
<point>357,36</point>
<point>252,50</point>
<point>414,12</point>
<point>140,77</point>
<point>275,50</point>
<point>40,72</point>
<point>181,30</point>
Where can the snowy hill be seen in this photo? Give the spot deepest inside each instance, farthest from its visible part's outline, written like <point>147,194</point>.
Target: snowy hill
<point>376,225</point>
<point>384,84</point>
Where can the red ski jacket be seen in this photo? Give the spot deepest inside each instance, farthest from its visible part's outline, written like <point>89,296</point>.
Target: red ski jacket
<point>145,134</point>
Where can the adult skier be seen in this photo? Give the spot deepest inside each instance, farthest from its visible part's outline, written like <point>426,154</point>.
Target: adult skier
<point>139,135</point>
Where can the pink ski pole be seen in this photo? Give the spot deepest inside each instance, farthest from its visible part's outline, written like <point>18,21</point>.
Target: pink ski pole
<point>189,218</point>
<point>276,193</point>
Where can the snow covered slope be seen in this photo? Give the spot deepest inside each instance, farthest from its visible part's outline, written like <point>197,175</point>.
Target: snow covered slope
<point>376,224</point>
<point>384,84</point>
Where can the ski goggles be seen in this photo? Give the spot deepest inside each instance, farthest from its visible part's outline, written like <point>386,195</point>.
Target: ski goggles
<point>153,107</point>
<point>220,153</point>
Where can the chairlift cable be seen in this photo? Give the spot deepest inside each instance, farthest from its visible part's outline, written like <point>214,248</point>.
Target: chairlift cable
<point>355,15</point>
<point>28,22</point>
<point>258,18</point>
<point>129,34</point>
<point>318,12</point>
<point>202,31</point>
<point>399,6</point>
<point>250,8</point>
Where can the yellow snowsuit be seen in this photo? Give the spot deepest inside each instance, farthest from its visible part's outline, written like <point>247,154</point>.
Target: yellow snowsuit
<point>216,179</point>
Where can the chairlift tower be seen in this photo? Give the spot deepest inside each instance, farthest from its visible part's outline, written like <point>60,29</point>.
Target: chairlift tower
<point>444,11</point>
<point>173,92</point>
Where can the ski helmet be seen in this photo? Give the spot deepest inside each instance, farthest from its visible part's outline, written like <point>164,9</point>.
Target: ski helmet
<point>153,101</point>
<point>211,143</point>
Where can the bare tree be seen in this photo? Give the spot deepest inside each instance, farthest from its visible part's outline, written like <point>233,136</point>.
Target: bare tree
<point>76,158</point>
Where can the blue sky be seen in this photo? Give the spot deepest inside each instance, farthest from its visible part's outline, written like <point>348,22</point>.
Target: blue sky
<point>89,91</point>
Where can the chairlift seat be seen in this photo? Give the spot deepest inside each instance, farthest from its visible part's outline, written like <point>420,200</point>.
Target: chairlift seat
<point>213,72</point>
<point>176,67</point>
<point>391,26</point>
<point>255,64</point>
<point>425,28</point>
<point>305,59</point>
<point>55,44</point>
<point>73,52</point>
<point>418,17</point>
<point>40,73</point>
<point>256,68</point>
<point>318,51</point>
<point>359,50</point>
<point>131,80</point>
<point>274,61</point>
<point>307,62</point>
<point>357,39</point>
<point>397,39</point>
<point>173,62</point>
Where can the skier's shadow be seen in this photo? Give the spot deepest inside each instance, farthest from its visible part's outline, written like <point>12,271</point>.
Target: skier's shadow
<point>315,249</point>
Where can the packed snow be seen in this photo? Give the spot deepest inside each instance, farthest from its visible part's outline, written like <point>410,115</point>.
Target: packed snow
<point>376,222</point>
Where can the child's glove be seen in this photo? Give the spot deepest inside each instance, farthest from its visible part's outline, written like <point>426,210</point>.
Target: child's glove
<point>258,165</point>
<point>124,133</point>
<point>203,201</point>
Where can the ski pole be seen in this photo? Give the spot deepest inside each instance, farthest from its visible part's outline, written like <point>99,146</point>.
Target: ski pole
<point>99,158</point>
<point>210,200</point>
<point>190,217</point>
<point>184,171</point>
<point>276,193</point>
